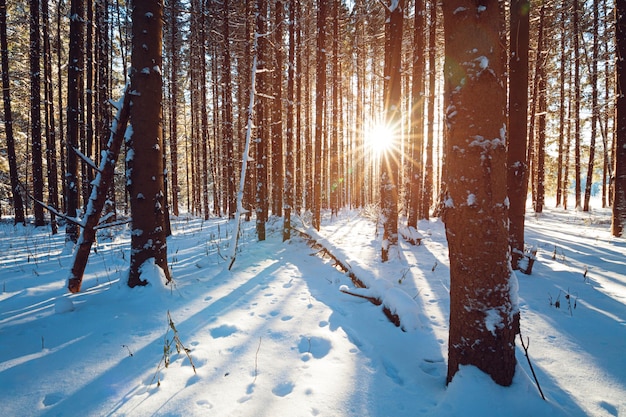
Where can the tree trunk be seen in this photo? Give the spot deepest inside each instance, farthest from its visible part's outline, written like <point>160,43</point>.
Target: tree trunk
<point>390,158</point>
<point>430,135</point>
<point>74,92</point>
<point>35,110</point>
<point>97,200</point>
<point>416,136</point>
<point>594,106</point>
<point>483,312</point>
<point>577,92</point>
<point>51,156</point>
<point>562,109</point>
<point>320,97</point>
<point>517,174</point>
<point>278,171</point>
<point>261,196</point>
<point>618,226</point>
<point>174,42</point>
<point>289,138</point>
<point>227,117</point>
<point>18,204</point>
<point>335,179</point>
<point>145,142</point>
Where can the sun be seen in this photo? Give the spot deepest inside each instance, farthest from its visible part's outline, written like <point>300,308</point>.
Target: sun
<point>379,139</point>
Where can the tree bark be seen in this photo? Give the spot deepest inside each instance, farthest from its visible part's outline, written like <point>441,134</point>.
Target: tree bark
<point>97,200</point>
<point>618,226</point>
<point>145,142</point>
<point>483,311</point>
<point>517,174</point>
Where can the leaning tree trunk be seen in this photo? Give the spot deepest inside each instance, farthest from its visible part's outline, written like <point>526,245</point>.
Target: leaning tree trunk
<point>483,311</point>
<point>145,142</point>
<point>101,186</point>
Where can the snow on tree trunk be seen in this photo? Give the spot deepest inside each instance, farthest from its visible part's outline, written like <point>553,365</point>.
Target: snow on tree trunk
<point>619,195</point>
<point>144,139</point>
<point>483,307</point>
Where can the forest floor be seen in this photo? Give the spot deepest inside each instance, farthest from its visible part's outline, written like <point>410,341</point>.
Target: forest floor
<point>276,336</point>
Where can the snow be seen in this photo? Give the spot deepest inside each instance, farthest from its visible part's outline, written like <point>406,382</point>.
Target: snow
<point>276,336</point>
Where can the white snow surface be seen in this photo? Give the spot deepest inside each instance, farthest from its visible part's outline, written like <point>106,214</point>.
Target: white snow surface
<point>275,336</point>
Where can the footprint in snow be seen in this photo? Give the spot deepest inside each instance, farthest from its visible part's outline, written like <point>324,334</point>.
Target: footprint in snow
<point>224,330</point>
<point>283,389</point>
<point>52,398</point>
<point>318,347</point>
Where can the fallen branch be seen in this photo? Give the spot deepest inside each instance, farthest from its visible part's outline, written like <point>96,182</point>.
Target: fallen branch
<point>345,267</point>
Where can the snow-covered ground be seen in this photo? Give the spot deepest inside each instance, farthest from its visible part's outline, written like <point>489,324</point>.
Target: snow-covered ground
<point>275,336</point>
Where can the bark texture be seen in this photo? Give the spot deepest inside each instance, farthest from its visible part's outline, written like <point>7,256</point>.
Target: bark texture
<point>483,313</point>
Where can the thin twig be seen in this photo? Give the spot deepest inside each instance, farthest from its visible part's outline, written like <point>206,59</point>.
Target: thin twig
<point>256,360</point>
<point>525,346</point>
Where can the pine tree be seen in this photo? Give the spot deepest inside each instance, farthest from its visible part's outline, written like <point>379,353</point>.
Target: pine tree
<point>483,313</point>
<point>145,142</point>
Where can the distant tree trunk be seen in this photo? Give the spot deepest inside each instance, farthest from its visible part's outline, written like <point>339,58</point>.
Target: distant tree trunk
<point>335,181</point>
<point>277,113</point>
<point>517,174</point>
<point>227,117</point>
<point>74,92</point>
<point>18,204</point>
<point>594,106</point>
<point>35,110</point>
<point>430,135</point>
<point>147,196</point>
<point>204,117</point>
<point>88,147</point>
<point>577,92</point>
<point>63,138</point>
<point>261,196</point>
<point>175,44</point>
<point>289,138</point>
<point>51,157</point>
<point>360,46</point>
<point>618,226</point>
<point>483,316</point>
<point>299,169</point>
<point>103,114</point>
<point>320,98</point>
<point>390,159</point>
<point>416,136</point>
<point>562,109</point>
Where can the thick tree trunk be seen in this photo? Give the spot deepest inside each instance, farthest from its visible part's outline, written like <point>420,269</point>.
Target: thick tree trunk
<point>517,174</point>
<point>18,204</point>
<point>483,310</point>
<point>227,118</point>
<point>390,159</point>
<point>145,142</point>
